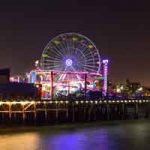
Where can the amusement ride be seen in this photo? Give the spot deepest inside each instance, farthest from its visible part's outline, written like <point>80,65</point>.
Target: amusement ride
<point>70,65</point>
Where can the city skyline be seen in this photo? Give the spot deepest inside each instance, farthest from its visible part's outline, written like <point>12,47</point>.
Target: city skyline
<point>120,31</point>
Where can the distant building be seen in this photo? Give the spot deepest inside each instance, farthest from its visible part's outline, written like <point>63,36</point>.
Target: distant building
<point>4,75</point>
<point>19,90</point>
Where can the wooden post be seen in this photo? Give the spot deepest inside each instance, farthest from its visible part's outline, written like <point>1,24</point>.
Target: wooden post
<point>73,112</point>
<point>108,111</point>
<point>56,112</point>
<point>23,114</point>
<point>136,110</point>
<point>67,114</point>
<point>10,111</point>
<point>84,112</point>
<point>95,107</point>
<point>89,112</point>
<point>123,111</point>
<point>99,111</point>
<point>45,112</point>
<point>147,110</point>
<point>34,112</point>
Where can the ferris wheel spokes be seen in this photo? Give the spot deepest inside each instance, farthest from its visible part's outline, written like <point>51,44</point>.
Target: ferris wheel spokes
<point>71,51</point>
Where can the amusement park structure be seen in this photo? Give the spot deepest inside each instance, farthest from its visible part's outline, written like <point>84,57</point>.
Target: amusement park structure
<point>70,65</point>
<point>69,84</point>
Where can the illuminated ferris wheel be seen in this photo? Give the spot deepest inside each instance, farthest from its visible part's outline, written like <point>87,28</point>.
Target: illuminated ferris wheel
<point>71,52</point>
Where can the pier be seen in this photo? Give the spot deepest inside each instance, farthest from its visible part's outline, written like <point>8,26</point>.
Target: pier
<point>57,111</point>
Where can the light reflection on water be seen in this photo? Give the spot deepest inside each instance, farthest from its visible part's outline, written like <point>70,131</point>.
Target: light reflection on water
<point>24,141</point>
<point>134,136</point>
<point>80,140</point>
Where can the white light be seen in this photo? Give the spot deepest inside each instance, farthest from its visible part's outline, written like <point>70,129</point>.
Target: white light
<point>36,63</point>
<point>32,102</point>
<point>140,89</point>
<point>121,87</point>
<point>67,102</point>
<point>118,90</point>
<point>69,62</point>
<point>105,61</point>
<point>14,102</point>
<point>76,102</point>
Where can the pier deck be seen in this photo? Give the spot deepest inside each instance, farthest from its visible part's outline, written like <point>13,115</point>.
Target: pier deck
<point>46,111</point>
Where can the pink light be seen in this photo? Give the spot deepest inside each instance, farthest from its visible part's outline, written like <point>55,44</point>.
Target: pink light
<point>66,72</point>
<point>105,73</point>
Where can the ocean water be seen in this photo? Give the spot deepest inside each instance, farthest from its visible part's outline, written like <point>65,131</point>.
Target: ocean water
<point>123,135</point>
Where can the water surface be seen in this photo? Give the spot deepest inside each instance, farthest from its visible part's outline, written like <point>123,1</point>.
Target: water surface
<point>132,135</point>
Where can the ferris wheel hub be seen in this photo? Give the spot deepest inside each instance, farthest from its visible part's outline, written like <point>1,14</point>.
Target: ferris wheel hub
<point>69,62</point>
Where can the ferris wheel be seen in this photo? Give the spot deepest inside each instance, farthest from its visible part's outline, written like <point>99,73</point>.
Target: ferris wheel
<point>71,52</point>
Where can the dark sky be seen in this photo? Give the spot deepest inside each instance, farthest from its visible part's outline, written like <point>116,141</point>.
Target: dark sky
<point>119,28</point>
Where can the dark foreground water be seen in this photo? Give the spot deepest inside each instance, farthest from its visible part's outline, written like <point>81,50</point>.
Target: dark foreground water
<point>123,135</point>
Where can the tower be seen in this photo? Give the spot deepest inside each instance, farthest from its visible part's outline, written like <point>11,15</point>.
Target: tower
<point>105,76</point>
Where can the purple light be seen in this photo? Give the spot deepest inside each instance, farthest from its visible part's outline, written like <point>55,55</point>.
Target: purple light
<point>105,73</point>
<point>68,62</point>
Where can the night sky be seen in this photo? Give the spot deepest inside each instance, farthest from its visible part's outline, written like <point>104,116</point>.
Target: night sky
<point>120,29</point>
